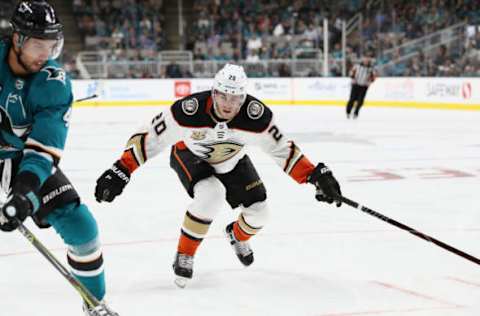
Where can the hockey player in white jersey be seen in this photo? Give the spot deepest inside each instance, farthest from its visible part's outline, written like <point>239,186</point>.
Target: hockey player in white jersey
<point>209,131</point>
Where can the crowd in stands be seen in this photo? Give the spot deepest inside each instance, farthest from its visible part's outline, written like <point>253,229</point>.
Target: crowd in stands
<point>236,30</point>
<point>127,29</point>
<point>241,31</point>
<point>6,8</point>
<point>460,59</point>
<point>400,22</point>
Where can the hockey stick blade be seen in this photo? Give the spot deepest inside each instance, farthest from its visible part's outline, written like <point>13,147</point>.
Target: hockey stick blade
<point>409,229</point>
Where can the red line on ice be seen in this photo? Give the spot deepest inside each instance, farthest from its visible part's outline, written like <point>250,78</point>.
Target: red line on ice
<point>387,311</point>
<point>416,294</point>
<point>464,281</point>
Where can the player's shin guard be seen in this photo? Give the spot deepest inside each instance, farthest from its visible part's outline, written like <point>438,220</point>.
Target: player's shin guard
<point>86,263</point>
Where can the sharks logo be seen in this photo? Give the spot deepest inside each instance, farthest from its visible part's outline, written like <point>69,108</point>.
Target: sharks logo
<point>25,7</point>
<point>55,73</point>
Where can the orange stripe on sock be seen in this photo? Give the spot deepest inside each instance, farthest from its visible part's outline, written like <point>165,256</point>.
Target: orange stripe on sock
<point>240,235</point>
<point>187,246</point>
<point>302,170</point>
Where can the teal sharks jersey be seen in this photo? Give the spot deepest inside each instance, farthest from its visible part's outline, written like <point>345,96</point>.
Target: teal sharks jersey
<point>34,115</point>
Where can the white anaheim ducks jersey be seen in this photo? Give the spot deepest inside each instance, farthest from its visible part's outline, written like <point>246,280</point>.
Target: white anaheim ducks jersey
<point>222,144</point>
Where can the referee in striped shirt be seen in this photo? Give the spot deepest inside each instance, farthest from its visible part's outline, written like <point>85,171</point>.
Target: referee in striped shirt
<point>362,74</point>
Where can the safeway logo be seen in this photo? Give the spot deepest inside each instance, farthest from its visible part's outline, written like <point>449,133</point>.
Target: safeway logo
<point>182,88</point>
<point>466,90</point>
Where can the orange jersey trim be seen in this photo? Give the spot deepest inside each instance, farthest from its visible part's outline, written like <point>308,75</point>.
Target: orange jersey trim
<point>302,169</point>
<point>129,161</point>
<point>181,145</point>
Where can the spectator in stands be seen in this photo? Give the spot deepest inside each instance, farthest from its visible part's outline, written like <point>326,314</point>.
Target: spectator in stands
<point>117,39</point>
<point>312,34</point>
<point>284,71</point>
<point>186,73</point>
<point>254,42</point>
<point>442,55</point>
<point>173,70</point>
<point>252,56</point>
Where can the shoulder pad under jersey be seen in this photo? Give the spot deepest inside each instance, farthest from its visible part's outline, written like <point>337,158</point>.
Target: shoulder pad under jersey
<point>254,116</point>
<point>51,87</point>
<point>192,111</point>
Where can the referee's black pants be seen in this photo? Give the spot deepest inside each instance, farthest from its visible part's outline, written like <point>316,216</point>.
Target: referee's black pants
<point>357,94</point>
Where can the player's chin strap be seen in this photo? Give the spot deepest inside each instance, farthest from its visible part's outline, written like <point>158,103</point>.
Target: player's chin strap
<point>20,42</point>
<point>408,229</point>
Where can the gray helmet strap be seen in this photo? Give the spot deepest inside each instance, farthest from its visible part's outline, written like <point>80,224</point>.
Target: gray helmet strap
<point>21,40</point>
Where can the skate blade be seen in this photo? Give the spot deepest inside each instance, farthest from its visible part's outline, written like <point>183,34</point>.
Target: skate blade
<point>181,282</point>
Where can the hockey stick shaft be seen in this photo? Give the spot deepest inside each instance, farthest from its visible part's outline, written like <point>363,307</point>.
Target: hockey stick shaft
<point>88,297</point>
<point>93,96</point>
<point>409,229</point>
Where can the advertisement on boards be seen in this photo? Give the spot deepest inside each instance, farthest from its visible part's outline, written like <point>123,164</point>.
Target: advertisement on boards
<point>322,89</point>
<point>411,92</point>
<point>270,88</point>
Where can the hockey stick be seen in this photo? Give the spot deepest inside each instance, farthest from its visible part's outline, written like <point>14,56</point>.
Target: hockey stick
<point>88,297</point>
<point>93,96</point>
<point>409,229</point>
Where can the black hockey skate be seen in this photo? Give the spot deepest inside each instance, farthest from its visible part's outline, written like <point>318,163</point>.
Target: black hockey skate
<point>100,310</point>
<point>183,269</point>
<point>242,248</point>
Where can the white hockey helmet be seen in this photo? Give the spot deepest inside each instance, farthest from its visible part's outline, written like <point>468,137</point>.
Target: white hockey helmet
<point>231,79</point>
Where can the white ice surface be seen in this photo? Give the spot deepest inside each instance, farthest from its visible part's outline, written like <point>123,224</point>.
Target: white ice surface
<point>420,167</point>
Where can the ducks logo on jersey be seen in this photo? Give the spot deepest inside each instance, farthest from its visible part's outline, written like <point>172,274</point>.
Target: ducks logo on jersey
<point>218,152</point>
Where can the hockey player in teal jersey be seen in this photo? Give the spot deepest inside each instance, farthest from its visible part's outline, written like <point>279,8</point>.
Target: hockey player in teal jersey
<point>35,106</point>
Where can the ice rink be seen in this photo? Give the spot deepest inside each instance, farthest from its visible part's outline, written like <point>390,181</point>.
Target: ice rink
<point>420,167</point>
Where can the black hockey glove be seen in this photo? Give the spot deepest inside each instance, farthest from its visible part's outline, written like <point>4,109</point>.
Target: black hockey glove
<point>22,203</point>
<point>111,182</point>
<point>327,186</point>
